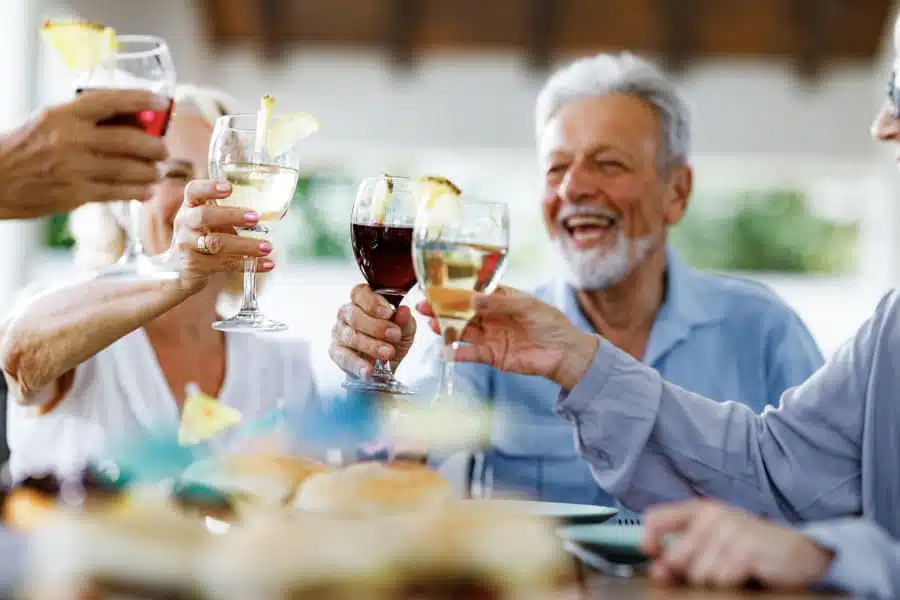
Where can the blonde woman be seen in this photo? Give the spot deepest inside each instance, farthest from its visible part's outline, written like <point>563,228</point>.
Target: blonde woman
<point>97,361</point>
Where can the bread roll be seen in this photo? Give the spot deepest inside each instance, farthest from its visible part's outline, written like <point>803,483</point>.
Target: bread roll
<point>373,488</point>
<point>265,479</point>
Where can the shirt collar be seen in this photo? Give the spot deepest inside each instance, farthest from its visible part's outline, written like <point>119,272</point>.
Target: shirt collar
<point>688,304</point>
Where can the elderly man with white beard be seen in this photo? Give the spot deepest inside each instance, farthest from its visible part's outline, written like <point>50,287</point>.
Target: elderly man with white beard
<point>613,138</point>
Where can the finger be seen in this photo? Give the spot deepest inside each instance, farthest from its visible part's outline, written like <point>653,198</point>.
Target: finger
<point>660,573</point>
<point>434,325</point>
<point>217,243</point>
<point>504,301</point>
<point>363,344</point>
<point>201,191</point>
<point>734,568</point>
<point>112,192</point>
<point>125,141</point>
<point>475,354</point>
<point>682,554</point>
<point>379,329</point>
<point>96,105</point>
<point>211,216</point>
<point>375,305</point>
<point>664,520</point>
<point>350,362</point>
<point>121,170</point>
<point>425,309</point>
<point>711,558</point>
<point>404,319</point>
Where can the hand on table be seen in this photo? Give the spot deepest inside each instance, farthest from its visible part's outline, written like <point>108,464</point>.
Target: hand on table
<point>721,547</point>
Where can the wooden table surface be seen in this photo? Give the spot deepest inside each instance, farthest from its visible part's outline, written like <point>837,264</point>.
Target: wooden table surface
<point>605,587</point>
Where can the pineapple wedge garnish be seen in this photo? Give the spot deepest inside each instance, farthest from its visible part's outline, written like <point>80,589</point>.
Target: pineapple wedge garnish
<point>439,202</point>
<point>381,197</point>
<point>276,135</point>
<point>203,417</point>
<point>82,45</point>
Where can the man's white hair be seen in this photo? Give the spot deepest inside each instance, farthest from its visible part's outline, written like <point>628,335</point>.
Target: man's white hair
<point>624,73</point>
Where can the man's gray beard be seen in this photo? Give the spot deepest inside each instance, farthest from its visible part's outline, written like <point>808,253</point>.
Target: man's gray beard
<point>600,268</point>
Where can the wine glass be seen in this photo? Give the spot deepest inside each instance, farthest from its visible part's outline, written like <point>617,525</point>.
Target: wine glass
<point>140,62</point>
<point>458,249</point>
<point>259,182</point>
<point>381,231</point>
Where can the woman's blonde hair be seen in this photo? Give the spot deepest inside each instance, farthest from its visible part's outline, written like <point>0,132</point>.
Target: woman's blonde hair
<point>100,236</point>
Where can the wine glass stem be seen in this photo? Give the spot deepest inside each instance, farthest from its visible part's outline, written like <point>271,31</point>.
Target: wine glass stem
<point>134,246</point>
<point>447,380</point>
<point>383,370</point>
<point>248,302</point>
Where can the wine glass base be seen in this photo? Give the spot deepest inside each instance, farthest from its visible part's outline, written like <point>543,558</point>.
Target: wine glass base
<point>373,385</point>
<point>136,268</point>
<point>247,322</point>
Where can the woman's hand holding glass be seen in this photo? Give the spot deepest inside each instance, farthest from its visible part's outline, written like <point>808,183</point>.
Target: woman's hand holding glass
<point>204,241</point>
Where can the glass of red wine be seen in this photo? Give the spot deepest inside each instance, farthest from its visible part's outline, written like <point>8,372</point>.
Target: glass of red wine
<point>140,62</point>
<point>381,232</point>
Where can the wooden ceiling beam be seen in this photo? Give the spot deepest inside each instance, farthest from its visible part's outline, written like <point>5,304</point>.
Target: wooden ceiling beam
<point>815,21</point>
<point>807,31</point>
<point>271,25</point>
<point>405,17</point>
<point>543,31</point>
<point>680,23</point>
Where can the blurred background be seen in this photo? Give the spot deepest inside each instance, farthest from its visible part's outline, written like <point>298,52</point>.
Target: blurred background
<point>790,189</point>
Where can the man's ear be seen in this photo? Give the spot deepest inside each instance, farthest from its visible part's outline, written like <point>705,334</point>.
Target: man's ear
<point>681,182</point>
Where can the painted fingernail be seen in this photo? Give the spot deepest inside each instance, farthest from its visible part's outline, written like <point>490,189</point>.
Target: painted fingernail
<point>383,312</point>
<point>267,264</point>
<point>393,334</point>
<point>265,247</point>
<point>384,352</point>
<point>223,186</point>
<point>251,217</point>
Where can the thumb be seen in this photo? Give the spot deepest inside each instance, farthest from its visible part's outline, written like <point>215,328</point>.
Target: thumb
<point>505,301</point>
<point>97,105</point>
<point>406,322</point>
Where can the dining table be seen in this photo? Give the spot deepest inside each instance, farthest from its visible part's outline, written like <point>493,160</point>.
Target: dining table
<point>597,586</point>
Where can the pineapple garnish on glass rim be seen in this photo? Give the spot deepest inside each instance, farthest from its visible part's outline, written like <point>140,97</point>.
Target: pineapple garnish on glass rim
<point>82,45</point>
<point>439,201</point>
<point>276,135</point>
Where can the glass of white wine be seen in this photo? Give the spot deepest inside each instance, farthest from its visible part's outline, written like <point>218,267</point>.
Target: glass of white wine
<point>457,253</point>
<point>261,182</point>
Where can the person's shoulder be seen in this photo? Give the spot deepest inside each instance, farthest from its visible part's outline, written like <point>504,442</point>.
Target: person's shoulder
<point>741,297</point>
<point>545,292</point>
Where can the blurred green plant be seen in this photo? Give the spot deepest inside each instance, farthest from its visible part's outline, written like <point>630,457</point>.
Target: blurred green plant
<point>769,231</point>
<point>319,219</point>
<point>56,232</point>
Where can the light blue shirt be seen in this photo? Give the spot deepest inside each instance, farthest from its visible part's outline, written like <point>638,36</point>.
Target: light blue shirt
<point>719,336</point>
<point>827,458</point>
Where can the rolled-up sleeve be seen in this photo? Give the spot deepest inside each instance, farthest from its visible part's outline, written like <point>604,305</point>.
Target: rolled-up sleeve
<point>649,441</point>
<point>866,559</point>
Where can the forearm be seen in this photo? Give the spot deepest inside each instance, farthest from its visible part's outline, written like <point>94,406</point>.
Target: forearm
<point>649,441</point>
<point>65,326</point>
<point>866,560</point>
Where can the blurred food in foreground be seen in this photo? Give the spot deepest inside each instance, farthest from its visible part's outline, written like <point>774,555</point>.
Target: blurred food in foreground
<point>369,489</point>
<point>460,550</point>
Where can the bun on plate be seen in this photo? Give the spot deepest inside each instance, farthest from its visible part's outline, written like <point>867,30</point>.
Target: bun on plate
<point>267,479</point>
<point>374,488</point>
